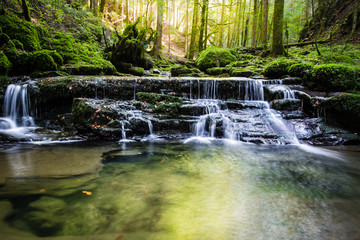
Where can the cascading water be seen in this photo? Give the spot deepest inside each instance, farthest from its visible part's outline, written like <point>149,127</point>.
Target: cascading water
<point>16,108</point>
<point>248,119</point>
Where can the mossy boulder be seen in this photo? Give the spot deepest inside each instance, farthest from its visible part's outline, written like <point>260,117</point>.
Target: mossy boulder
<point>137,71</point>
<point>178,70</point>
<point>214,57</point>
<point>25,32</point>
<point>241,72</point>
<point>153,98</point>
<point>278,68</point>
<point>4,38</point>
<point>286,104</point>
<point>333,77</point>
<point>10,51</point>
<point>5,64</point>
<point>301,70</point>
<point>344,109</point>
<point>215,71</point>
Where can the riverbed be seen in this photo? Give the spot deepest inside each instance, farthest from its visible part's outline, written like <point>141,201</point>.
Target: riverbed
<point>208,189</point>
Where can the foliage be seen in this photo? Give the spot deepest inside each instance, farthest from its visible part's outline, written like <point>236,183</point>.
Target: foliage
<point>131,46</point>
<point>214,57</point>
<point>4,64</point>
<point>4,38</point>
<point>278,68</point>
<point>10,51</point>
<point>333,77</point>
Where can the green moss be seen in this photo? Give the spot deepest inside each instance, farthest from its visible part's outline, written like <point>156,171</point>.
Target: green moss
<point>137,71</point>
<point>10,51</point>
<point>153,98</point>
<point>214,57</point>
<point>18,44</point>
<point>301,70</point>
<point>241,72</point>
<point>56,57</point>
<point>216,71</point>
<point>37,61</point>
<point>333,77</point>
<point>5,64</point>
<point>23,31</point>
<point>4,38</point>
<point>178,70</point>
<point>345,109</point>
<point>278,68</point>
<point>246,57</point>
<point>81,113</point>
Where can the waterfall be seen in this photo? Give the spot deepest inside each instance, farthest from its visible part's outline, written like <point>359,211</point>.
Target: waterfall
<point>16,107</point>
<point>251,90</point>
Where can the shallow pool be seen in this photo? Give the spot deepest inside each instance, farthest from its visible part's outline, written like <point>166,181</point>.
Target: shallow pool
<point>172,190</point>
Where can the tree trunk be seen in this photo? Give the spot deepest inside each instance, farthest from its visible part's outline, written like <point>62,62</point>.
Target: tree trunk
<point>102,6</point>
<point>159,26</point>
<point>278,21</point>
<point>25,10</point>
<point>202,26</point>
<point>265,22</point>
<point>169,26</point>
<point>253,37</point>
<point>127,20</point>
<point>95,7</point>
<point>187,27</point>
<point>355,17</point>
<point>221,30</point>
<point>194,30</point>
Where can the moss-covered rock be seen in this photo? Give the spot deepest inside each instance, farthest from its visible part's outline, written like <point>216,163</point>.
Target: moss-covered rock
<point>278,68</point>
<point>344,109</point>
<point>4,38</point>
<point>241,72</point>
<point>214,57</point>
<point>153,98</point>
<point>178,70</point>
<point>301,70</point>
<point>137,71</point>
<point>215,71</point>
<point>18,44</point>
<point>5,64</point>
<point>333,77</point>
<point>23,31</point>
<point>286,104</point>
<point>10,51</point>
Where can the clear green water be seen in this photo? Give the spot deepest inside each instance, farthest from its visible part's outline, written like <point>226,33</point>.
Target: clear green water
<point>180,191</point>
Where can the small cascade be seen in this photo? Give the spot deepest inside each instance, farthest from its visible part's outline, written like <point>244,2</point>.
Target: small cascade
<point>281,91</point>
<point>17,107</point>
<point>251,90</point>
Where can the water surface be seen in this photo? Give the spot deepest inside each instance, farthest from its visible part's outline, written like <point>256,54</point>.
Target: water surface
<point>172,190</point>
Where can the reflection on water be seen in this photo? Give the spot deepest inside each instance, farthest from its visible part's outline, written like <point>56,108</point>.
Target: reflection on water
<point>223,190</point>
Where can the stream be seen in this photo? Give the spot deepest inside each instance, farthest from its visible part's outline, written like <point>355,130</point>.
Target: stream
<point>174,190</point>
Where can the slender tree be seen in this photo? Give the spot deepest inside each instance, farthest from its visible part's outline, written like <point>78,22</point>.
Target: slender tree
<point>159,26</point>
<point>265,22</point>
<point>25,10</point>
<point>194,29</point>
<point>254,26</point>
<point>203,24</point>
<point>278,22</point>
<point>102,6</point>
<point>221,30</point>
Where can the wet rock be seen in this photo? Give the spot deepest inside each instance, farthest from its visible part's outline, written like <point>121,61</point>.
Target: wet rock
<point>286,104</point>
